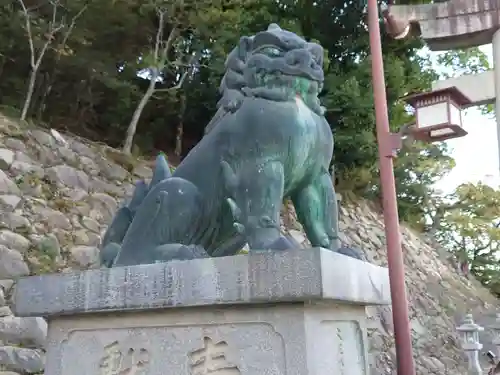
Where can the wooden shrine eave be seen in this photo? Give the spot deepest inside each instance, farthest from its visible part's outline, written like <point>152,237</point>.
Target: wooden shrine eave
<point>450,25</point>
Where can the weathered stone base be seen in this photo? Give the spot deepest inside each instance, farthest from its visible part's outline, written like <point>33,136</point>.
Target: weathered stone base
<point>269,313</point>
<point>288,339</point>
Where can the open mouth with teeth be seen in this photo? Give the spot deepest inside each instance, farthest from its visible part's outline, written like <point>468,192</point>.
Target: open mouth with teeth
<point>283,87</point>
<point>297,85</point>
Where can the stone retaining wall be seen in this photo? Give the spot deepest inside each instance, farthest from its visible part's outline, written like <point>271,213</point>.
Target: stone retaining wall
<point>56,199</point>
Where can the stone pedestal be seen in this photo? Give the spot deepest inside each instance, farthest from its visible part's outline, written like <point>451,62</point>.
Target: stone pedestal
<point>287,313</point>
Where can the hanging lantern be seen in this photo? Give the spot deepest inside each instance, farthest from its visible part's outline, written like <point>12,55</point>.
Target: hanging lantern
<point>495,328</point>
<point>438,114</point>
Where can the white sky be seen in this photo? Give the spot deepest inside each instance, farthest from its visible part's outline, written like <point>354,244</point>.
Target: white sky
<point>476,154</point>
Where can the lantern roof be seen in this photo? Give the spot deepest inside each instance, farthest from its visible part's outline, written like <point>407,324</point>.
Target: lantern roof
<point>452,92</point>
<point>468,325</point>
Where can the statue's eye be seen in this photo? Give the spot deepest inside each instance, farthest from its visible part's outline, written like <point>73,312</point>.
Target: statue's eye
<point>271,51</point>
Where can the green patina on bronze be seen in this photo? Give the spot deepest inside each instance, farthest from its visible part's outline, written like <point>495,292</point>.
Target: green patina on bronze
<point>268,140</point>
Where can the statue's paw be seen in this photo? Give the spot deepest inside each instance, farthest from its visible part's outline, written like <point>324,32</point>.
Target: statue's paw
<point>350,252</point>
<point>295,244</point>
<point>280,244</point>
<point>195,252</point>
<point>176,251</point>
<point>335,244</point>
<point>108,254</point>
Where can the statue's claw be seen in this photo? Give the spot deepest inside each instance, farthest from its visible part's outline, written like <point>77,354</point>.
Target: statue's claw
<point>108,254</point>
<point>176,251</point>
<point>236,213</point>
<point>240,228</point>
<point>235,210</point>
<point>350,252</point>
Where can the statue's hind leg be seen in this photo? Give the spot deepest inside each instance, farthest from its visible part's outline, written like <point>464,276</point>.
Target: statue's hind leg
<point>317,211</point>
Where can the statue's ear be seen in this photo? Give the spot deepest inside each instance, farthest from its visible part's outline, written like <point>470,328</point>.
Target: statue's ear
<point>244,47</point>
<point>140,192</point>
<point>161,171</point>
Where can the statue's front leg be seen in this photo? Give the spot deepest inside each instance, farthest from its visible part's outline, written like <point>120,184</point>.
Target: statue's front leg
<point>257,192</point>
<point>317,211</point>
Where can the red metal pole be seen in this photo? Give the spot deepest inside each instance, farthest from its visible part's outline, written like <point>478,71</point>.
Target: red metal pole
<point>402,332</point>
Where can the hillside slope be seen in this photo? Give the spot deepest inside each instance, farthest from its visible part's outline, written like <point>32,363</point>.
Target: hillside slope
<point>56,200</point>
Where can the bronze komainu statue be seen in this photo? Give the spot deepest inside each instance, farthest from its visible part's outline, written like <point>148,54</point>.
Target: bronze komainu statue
<point>268,140</point>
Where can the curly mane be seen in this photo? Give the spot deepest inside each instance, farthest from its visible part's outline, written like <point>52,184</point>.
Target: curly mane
<point>233,81</point>
<point>250,72</point>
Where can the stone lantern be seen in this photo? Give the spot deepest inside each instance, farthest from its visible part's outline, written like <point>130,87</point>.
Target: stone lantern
<point>495,328</point>
<point>469,332</point>
<point>438,114</point>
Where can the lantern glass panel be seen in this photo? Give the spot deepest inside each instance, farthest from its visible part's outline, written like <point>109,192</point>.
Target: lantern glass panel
<point>455,115</point>
<point>434,114</point>
<point>476,336</point>
<point>469,336</point>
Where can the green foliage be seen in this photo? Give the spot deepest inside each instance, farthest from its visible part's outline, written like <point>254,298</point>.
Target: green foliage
<point>417,168</point>
<point>467,223</point>
<point>88,84</point>
<point>467,61</point>
<point>88,81</point>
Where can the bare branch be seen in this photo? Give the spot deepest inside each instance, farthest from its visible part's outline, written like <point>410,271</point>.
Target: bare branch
<point>36,59</point>
<point>159,35</point>
<point>185,74</point>
<point>52,31</point>
<point>168,44</point>
<point>72,25</point>
<point>35,7</point>
<point>78,15</point>
<point>191,66</point>
<point>27,19</point>
<point>160,56</point>
<point>54,14</point>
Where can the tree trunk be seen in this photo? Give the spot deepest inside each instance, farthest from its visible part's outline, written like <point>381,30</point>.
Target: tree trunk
<point>37,97</point>
<point>180,126</point>
<point>43,98</point>
<point>2,65</point>
<point>29,94</point>
<point>132,127</point>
